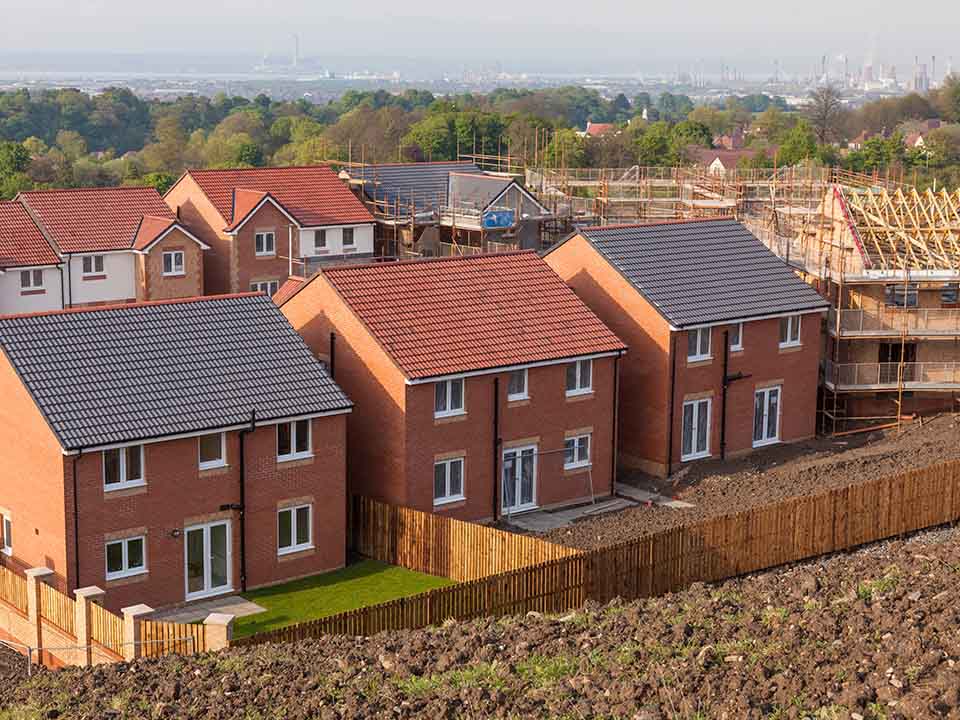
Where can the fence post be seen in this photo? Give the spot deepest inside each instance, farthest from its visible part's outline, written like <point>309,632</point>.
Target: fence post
<point>132,616</point>
<point>35,578</point>
<point>86,597</point>
<point>219,631</point>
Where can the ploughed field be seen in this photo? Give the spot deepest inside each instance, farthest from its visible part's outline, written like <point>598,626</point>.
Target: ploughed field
<point>871,634</point>
<point>768,476</point>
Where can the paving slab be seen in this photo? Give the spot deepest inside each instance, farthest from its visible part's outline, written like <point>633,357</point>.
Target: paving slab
<point>543,520</point>
<point>230,605</point>
<point>646,497</point>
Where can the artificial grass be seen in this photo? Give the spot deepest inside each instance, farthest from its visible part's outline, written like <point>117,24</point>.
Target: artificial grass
<point>363,583</point>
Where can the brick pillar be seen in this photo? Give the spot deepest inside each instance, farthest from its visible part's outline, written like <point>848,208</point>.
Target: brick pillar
<point>85,598</point>
<point>219,628</point>
<point>35,578</point>
<point>131,630</point>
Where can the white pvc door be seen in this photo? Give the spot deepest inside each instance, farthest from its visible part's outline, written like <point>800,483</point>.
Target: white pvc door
<point>519,479</point>
<point>207,559</point>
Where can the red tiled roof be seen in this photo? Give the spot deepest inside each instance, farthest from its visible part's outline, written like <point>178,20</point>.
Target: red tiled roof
<point>598,129</point>
<point>452,315</point>
<point>21,242</point>
<point>288,289</point>
<point>314,195</point>
<point>150,229</point>
<point>94,219</point>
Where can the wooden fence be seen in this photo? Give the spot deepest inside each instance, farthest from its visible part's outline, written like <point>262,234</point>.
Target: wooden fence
<point>106,629</point>
<point>160,638</point>
<point>13,589</point>
<point>57,608</point>
<point>440,545</point>
<point>712,550</point>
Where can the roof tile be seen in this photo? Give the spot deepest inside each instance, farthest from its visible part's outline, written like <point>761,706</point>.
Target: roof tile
<point>21,242</point>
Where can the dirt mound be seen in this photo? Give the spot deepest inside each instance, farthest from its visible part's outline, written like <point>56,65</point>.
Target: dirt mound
<point>768,476</point>
<point>874,634</point>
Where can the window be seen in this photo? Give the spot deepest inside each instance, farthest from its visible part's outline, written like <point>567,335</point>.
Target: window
<point>950,294</point>
<point>517,385</point>
<point>766,416</point>
<point>736,337</point>
<point>92,265</point>
<point>790,331</point>
<point>6,542</point>
<point>448,481</point>
<point>579,377</point>
<point>126,557</point>
<point>294,529</point>
<point>265,243</point>
<point>901,296</point>
<point>213,451</point>
<point>31,279</point>
<point>293,440</point>
<point>173,263</point>
<point>696,430</point>
<point>320,241</point>
<point>268,287</point>
<point>576,452</point>
<point>123,467</point>
<point>698,344</point>
<point>448,398</point>
<point>348,242</point>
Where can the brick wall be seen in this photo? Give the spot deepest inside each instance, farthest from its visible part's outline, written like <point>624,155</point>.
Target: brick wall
<point>248,267</point>
<point>201,218</point>
<point>155,286</point>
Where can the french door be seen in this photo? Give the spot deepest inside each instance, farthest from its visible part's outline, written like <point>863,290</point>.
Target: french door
<point>207,559</point>
<point>766,416</point>
<point>519,479</point>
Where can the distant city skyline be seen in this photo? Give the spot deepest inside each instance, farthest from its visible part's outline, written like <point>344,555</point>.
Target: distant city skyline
<point>435,36</point>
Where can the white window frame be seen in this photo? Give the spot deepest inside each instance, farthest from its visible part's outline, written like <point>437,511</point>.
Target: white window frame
<point>449,411</point>
<point>579,387</point>
<point>173,255</point>
<point>269,287</point>
<point>7,529</point>
<point>348,246</point>
<point>699,334</point>
<point>295,547</point>
<point>696,454</point>
<point>737,346</point>
<point>260,238</point>
<point>793,324</point>
<point>573,442</point>
<point>127,570</point>
<point>124,482</point>
<point>31,277</point>
<point>211,464</point>
<point>318,237</point>
<point>93,272</point>
<point>448,497</point>
<point>525,393</point>
<point>294,454</point>
<point>766,406</point>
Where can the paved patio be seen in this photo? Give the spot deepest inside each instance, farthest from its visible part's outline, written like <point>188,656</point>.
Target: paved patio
<point>543,520</point>
<point>646,497</point>
<point>230,605</point>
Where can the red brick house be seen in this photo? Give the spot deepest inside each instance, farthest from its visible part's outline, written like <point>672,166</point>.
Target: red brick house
<point>265,224</point>
<point>115,245</point>
<point>483,385</point>
<point>169,451</point>
<point>724,338</point>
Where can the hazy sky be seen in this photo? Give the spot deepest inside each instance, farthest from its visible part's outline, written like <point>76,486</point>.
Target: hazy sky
<point>519,34</point>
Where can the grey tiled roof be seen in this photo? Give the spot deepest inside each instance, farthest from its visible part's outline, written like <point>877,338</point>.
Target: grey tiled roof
<point>424,184</point>
<point>476,191</point>
<point>148,371</point>
<point>704,271</point>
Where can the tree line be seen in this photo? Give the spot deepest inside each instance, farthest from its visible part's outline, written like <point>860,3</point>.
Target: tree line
<point>67,138</point>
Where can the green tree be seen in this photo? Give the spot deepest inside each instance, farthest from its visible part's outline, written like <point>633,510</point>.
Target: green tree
<point>799,144</point>
<point>566,149</point>
<point>433,137</point>
<point>14,158</point>
<point>826,112</point>
<point>655,145</point>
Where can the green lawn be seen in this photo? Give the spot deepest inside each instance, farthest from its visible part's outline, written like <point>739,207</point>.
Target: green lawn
<point>367,582</point>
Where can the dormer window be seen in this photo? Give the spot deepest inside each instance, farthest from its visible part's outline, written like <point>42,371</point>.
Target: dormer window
<point>173,263</point>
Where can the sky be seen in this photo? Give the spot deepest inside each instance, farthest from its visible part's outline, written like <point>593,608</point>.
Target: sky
<point>521,35</point>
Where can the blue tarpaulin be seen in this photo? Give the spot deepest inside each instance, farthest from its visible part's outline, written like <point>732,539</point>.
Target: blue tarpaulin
<point>497,219</point>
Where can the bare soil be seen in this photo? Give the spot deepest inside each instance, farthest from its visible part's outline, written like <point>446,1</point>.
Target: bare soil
<point>873,634</point>
<point>767,476</point>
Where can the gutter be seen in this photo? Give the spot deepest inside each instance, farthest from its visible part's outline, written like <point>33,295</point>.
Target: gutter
<point>76,523</point>
<point>241,507</point>
<point>616,424</point>
<point>496,449</point>
<point>673,389</point>
<point>726,381</point>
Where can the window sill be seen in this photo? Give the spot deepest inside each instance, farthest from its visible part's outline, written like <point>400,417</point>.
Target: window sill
<point>181,274</point>
<point>35,291</point>
<point>93,277</point>
<point>294,458</point>
<point>765,443</point>
<point>697,456</point>
<point>576,393</point>
<point>212,466</point>
<point>286,552</point>
<point>112,577</point>
<point>576,469</point>
<point>699,361</point>
<point>449,501</point>
<point>117,487</point>
<point>519,402</point>
<point>517,398</point>
<point>265,256</point>
<point>737,349</point>
<point>450,418</point>
<point>579,396</point>
<point>794,347</point>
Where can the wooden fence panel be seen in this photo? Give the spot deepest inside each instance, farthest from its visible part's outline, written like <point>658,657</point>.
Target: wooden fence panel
<point>106,629</point>
<point>13,589</point>
<point>57,608</point>
<point>160,638</point>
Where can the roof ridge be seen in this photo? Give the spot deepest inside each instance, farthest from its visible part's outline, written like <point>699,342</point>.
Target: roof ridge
<point>261,169</point>
<point>42,191</point>
<point>128,306</point>
<point>655,223</point>
<point>423,260</point>
<point>423,162</point>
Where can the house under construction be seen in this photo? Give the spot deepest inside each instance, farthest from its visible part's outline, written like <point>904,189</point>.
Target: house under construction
<point>446,208</point>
